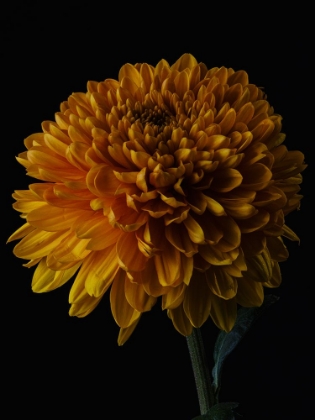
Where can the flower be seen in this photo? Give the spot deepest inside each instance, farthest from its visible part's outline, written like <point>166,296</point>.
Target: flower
<point>171,182</point>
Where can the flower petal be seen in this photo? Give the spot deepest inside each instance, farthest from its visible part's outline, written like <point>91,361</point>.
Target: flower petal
<point>180,320</point>
<point>197,302</point>
<point>124,314</point>
<point>223,312</point>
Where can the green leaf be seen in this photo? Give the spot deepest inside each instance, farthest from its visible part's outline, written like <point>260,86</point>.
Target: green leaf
<point>221,411</point>
<point>226,342</point>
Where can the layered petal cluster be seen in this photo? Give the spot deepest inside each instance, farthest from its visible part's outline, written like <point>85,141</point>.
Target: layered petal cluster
<point>171,182</point>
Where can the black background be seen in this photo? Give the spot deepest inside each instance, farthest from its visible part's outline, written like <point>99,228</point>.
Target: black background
<point>53,363</point>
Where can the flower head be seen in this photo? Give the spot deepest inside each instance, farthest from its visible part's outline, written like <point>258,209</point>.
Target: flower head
<point>171,182</point>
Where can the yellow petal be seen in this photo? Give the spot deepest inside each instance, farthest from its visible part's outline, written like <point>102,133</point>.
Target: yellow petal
<point>181,83</point>
<point>278,251</point>
<point>129,256</point>
<point>102,181</point>
<point>137,297</point>
<point>53,219</point>
<point>259,267</point>
<point>124,314</point>
<point>180,239</point>
<point>85,306</point>
<point>95,276</point>
<point>68,253</point>
<point>194,230</point>
<point>38,244</point>
<point>221,283</point>
<point>226,180</point>
<point>249,293</point>
<point>275,279</point>
<point>24,230</point>
<point>223,312</point>
<point>128,70</point>
<point>150,280</point>
<point>174,297</point>
<point>125,333</point>
<point>215,257</point>
<point>214,206</point>
<point>197,302</point>
<point>288,233</point>
<point>180,320</point>
<point>45,279</point>
<point>239,210</point>
<point>167,265</point>
<point>185,61</point>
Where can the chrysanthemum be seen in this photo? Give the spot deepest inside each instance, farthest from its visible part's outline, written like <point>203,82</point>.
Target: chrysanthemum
<point>170,182</point>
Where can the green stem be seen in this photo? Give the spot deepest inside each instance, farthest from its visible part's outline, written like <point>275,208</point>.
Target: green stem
<point>201,370</point>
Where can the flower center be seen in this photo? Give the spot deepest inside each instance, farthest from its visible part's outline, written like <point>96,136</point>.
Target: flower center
<point>156,117</point>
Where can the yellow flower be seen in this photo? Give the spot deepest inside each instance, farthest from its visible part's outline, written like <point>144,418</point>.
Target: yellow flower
<point>170,182</point>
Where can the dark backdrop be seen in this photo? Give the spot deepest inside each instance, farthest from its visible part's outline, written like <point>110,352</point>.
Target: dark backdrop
<point>57,364</point>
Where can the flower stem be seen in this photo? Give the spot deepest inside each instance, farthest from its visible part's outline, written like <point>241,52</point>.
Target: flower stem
<point>201,370</point>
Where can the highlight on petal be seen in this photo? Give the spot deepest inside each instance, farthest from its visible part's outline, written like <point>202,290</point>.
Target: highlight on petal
<point>45,279</point>
<point>171,182</point>
<point>185,61</point>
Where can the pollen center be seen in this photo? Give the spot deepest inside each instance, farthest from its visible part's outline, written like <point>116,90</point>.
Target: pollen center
<point>157,118</point>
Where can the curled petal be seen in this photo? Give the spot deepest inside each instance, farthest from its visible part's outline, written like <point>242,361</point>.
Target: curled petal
<point>173,181</point>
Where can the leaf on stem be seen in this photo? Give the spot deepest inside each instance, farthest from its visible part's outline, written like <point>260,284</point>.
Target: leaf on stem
<point>226,342</point>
